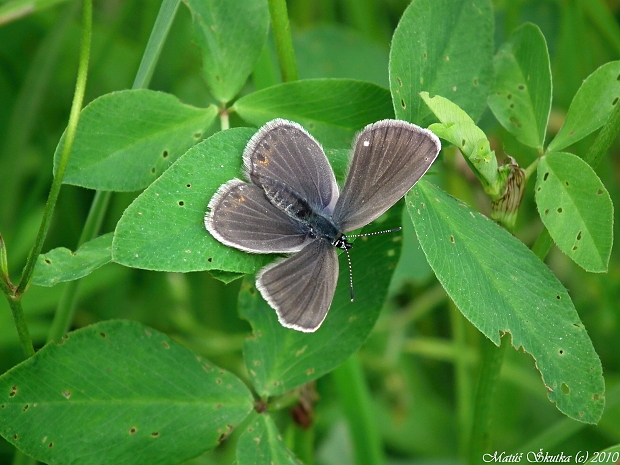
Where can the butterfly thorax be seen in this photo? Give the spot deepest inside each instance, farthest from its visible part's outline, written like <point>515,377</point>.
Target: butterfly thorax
<point>316,223</point>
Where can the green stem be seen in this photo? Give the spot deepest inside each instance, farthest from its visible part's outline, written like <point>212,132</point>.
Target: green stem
<point>22,328</point>
<point>283,40</point>
<point>14,298</point>
<point>355,400</point>
<point>5,280</point>
<point>6,286</point>
<point>286,400</point>
<point>301,442</point>
<point>463,380</point>
<point>439,349</point>
<point>98,209</point>
<point>160,30</point>
<point>224,121</point>
<point>74,118</point>
<point>531,169</point>
<point>64,312</point>
<point>492,358</point>
<point>543,244</point>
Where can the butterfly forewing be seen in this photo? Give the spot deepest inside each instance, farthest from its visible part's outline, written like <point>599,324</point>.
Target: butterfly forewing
<point>389,158</point>
<point>301,288</point>
<point>283,151</point>
<point>240,216</point>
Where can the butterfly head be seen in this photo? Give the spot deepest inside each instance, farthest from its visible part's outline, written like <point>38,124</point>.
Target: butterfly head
<point>341,242</point>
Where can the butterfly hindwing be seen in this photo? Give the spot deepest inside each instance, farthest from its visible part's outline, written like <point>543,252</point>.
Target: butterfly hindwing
<point>240,216</point>
<point>301,287</point>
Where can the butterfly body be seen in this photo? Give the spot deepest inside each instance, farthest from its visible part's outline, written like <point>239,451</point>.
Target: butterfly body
<point>293,205</point>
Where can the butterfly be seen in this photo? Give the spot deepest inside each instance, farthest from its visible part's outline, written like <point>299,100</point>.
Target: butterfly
<point>291,204</point>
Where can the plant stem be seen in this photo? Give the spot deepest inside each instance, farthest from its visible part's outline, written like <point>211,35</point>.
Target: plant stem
<point>492,358</point>
<point>22,328</point>
<point>224,121</point>
<point>96,214</point>
<point>355,399</point>
<point>301,442</point>
<point>5,281</point>
<point>15,296</point>
<point>74,117</point>
<point>531,169</point>
<point>543,244</point>
<point>463,379</point>
<point>283,40</point>
<point>162,25</point>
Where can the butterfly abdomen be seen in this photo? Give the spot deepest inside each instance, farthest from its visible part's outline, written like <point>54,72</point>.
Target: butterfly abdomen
<point>295,206</point>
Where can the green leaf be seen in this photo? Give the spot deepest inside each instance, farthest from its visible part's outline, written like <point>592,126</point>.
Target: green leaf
<point>521,95</point>
<point>119,392</point>
<point>591,107</point>
<point>576,209</point>
<point>163,229</point>
<point>460,130</point>
<point>61,264</point>
<point>501,286</point>
<point>332,110</point>
<point>231,36</point>
<point>279,359</point>
<point>444,47</point>
<point>261,444</point>
<point>126,139</point>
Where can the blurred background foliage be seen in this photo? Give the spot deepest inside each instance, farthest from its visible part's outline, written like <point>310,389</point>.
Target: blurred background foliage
<point>408,357</point>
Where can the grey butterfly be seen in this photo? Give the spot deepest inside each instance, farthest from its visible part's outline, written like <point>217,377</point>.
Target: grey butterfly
<point>292,205</point>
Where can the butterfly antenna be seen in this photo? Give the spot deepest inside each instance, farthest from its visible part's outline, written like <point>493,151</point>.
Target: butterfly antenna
<point>375,233</point>
<point>350,273</point>
<point>349,256</point>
